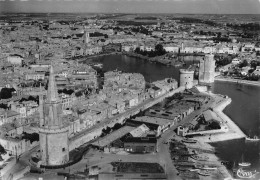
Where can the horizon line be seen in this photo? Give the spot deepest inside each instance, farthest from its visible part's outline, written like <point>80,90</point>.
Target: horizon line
<point>126,13</point>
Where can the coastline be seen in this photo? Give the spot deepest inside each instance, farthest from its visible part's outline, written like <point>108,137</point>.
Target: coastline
<point>253,83</point>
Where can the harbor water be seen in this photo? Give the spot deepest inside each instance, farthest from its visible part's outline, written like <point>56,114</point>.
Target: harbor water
<point>245,112</point>
<point>244,109</point>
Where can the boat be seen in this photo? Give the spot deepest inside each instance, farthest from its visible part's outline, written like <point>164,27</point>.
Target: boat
<point>246,174</point>
<point>98,65</point>
<point>187,140</point>
<point>205,167</point>
<point>244,164</point>
<point>183,168</point>
<point>194,170</point>
<point>255,138</point>
<point>203,173</point>
<point>200,158</point>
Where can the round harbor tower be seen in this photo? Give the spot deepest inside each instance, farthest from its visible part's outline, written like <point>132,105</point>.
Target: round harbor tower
<point>54,145</point>
<point>186,78</point>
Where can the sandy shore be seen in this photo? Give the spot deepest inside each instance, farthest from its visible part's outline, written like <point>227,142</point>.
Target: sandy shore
<point>239,81</point>
<point>204,149</point>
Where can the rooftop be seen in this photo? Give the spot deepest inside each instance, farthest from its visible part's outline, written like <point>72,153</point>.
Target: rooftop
<point>113,136</point>
<point>153,120</point>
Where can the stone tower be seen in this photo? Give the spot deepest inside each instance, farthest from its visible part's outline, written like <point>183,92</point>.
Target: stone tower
<point>186,78</point>
<point>53,132</point>
<point>207,69</point>
<point>182,47</point>
<point>41,109</point>
<point>86,37</point>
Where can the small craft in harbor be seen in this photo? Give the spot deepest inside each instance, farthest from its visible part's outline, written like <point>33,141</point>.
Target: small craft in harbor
<point>187,140</point>
<point>243,163</point>
<point>200,158</point>
<point>254,139</point>
<point>205,167</point>
<point>204,173</point>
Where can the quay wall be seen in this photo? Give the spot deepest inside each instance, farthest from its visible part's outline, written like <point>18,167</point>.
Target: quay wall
<point>234,132</point>
<point>253,83</point>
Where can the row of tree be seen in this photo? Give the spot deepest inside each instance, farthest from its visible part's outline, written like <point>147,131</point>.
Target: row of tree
<point>159,51</point>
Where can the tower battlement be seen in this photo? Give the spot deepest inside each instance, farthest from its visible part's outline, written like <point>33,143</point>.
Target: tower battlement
<point>53,130</point>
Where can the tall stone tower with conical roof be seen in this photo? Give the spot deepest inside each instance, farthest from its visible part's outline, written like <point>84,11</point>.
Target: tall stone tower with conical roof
<point>54,142</point>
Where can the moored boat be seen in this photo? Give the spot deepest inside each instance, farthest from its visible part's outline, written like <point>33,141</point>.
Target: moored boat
<point>183,168</point>
<point>203,173</point>
<point>255,138</point>
<point>200,158</point>
<point>243,163</point>
<point>189,140</point>
<point>194,170</point>
<point>99,65</point>
<point>205,167</point>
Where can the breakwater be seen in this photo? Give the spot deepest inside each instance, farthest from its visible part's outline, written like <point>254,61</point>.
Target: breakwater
<point>234,132</point>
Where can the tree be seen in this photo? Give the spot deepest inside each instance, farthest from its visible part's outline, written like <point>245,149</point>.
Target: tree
<point>254,64</point>
<point>31,137</point>
<point>137,50</point>
<point>2,150</point>
<point>6,93</point>
<point>243,64</point>
<point>3,106</point>
<point>214,125</point>
<point>250,71</point>
<point>159,49</point>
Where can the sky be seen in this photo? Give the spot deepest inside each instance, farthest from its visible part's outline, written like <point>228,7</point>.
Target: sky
<point>133,6</point>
